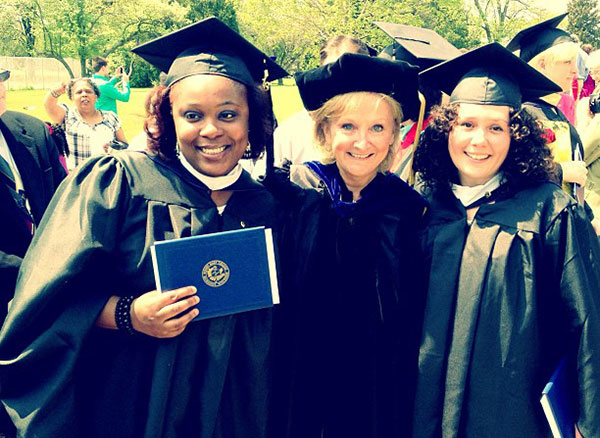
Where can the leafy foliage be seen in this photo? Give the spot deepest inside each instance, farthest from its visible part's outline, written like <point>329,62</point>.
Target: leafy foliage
<point>500,20</point>
<point>294,30</point>
<point>291,30</point>
<point>584,21</point>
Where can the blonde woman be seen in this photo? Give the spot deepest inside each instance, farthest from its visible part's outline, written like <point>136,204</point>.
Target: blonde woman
<point>553,53</point>
<point>350,316</point>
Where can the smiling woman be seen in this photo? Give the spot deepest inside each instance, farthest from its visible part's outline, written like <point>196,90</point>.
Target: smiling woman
<point>134,353</point>
<point>479,142</point>
<point>514,284</point>
<point>348,330</point>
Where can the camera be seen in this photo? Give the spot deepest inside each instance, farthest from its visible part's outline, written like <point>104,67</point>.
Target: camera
<point>120,70</point>
<point>595,103</point>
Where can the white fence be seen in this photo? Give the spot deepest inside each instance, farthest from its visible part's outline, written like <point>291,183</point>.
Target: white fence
<point>37,73</point>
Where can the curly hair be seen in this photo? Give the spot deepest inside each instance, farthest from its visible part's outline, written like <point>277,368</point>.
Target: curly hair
<point>88,80</point>
<point>160,127</point>
<point>529,160</point>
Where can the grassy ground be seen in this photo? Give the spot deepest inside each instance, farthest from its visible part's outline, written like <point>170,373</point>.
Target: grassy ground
<point>286,102</point>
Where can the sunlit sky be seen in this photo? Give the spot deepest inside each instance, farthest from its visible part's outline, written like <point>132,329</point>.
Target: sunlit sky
<point>554,6</point>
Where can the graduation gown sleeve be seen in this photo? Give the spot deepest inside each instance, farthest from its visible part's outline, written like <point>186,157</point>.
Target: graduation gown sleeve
<point>573,249</point>
<point>61,290</point>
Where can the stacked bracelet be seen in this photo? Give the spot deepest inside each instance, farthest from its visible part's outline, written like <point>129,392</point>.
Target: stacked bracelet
<point>54,94</point>
<point>123,315</point>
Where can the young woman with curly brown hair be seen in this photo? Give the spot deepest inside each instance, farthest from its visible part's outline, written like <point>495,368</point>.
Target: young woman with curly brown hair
<point>514,263</point>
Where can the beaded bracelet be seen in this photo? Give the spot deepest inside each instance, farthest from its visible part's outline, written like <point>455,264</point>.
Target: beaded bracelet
<point>54,94</point>
<point>123,315</point>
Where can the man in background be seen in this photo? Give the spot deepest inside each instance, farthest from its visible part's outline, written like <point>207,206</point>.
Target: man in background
<point>30,172</point>
<point>110,91</point>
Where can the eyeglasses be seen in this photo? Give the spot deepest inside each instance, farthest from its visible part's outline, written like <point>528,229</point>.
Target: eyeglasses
<point>4,75</point>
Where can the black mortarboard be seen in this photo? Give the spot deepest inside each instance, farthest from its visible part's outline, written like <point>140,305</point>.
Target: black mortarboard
<point>535,39</point>
<point>352,72</point>
<point>489,75</point>
<point>209,47</point>
<point>416,45</point>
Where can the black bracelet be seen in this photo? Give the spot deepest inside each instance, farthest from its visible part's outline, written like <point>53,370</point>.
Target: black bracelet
<point>123,315</point>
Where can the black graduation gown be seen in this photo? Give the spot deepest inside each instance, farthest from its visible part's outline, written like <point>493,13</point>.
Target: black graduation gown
<point>508,297</point>
<point>62,377</point>
<point>349,321</point>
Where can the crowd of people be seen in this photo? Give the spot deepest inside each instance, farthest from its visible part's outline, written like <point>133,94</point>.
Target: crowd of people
<point>436,216</point>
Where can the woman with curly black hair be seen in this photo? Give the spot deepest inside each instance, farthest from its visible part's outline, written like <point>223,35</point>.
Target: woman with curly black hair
<point>514,262</point>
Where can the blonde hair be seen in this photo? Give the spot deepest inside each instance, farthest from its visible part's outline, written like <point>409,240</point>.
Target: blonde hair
<point>559,53</point>
<point>335,107</point>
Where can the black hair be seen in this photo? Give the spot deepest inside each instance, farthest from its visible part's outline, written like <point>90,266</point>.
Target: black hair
<point>164,140</point>
<point>88,80</point>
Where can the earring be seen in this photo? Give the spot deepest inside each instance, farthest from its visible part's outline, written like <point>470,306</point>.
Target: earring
<point>248,151</point>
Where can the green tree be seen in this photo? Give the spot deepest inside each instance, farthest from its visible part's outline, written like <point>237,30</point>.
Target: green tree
<point>224,10</point>
<point>87,28</point>
<point>502,19</point>
<point>293,30</point>
<point>584,20</point>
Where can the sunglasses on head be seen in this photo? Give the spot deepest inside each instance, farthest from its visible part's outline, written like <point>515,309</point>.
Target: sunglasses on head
<point>4,75</point>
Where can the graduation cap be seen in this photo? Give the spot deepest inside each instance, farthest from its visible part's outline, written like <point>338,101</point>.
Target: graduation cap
<point>352,72</point>
<point>489,75</point>
<point>416,45</point>
<point>209,47</point>
<point>4,75</point>
<point>535,39</point>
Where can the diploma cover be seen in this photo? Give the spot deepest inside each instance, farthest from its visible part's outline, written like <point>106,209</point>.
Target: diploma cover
<point>556,402</point>
<point>233,271</point>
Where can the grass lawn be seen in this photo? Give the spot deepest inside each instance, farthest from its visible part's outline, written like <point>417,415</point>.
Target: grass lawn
<point>286,101</point>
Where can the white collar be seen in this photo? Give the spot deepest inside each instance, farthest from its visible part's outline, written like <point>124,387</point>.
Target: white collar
<point>213,182</point>
<point>468,195</point>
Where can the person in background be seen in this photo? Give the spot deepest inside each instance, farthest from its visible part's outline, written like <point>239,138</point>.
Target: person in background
<point>553,53</point>
<point>514,264</point>
<point>294,142</point>
<point>423,48</point>
<point>30,172</point>
<point>90,348</point>
<point>349,321</point>
<point>588,125</point>
<point>589,84</point>
<point>89,131</point>
<point>110,92</point>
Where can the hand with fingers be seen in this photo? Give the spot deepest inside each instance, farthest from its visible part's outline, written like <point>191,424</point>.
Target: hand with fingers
<point>160,314</point>
<point>574,172</point>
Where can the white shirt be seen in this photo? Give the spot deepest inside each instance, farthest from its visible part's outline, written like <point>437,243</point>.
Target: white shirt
<point>5,153</point>
<point>294,140</point>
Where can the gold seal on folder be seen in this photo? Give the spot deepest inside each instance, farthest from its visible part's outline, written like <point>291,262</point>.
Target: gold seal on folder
<point>215,273</point>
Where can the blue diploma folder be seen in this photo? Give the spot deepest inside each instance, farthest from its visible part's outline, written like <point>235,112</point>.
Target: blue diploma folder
<point>233,271</point>
<point>556,402</point>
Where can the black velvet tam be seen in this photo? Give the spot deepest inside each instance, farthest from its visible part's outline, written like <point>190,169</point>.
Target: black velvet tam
<point>489,75</point>
<point>535,39</point>
<point>209,47</point>
<point>416,45</point>
<point>352,72</point>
